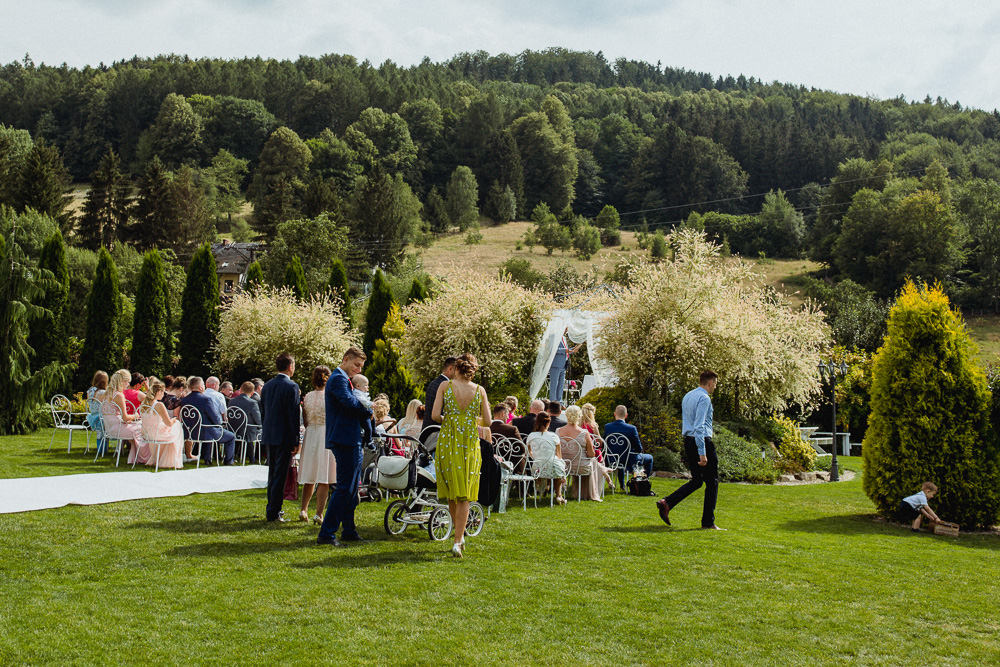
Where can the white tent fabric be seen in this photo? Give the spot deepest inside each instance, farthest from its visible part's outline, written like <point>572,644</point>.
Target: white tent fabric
<point>35,493</point>
<point>583,327</point>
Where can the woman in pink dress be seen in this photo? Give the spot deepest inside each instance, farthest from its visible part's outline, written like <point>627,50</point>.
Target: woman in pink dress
<point>121,424</point>
<point>590,425</point>
<point>134,395</point>
<point>159,427</point>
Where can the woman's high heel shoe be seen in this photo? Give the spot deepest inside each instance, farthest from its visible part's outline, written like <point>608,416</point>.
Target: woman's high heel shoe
<point>458,549</point>
<point>303,516</point>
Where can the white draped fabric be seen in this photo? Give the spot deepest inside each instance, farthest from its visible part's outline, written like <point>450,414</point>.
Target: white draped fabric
<point>583,325</point>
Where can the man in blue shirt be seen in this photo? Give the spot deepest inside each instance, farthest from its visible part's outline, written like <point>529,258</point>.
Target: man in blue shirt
<point>699,451</point>
<point>636,456</point>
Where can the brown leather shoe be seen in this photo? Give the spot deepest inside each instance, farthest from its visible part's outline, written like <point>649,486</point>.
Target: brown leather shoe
<point>664,510</point>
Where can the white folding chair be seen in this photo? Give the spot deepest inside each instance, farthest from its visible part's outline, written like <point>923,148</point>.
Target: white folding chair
<point>94,408</point>
<point>109,413</point>
<point>239,424</point>
<point>579,466</point>
<point>506,449</point>
<point>615,462</point>
<point>62,420</point>
<point>191,418</point>
<point>154,443</point>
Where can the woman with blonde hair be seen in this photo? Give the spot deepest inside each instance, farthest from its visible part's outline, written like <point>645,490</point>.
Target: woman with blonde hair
<point>578,448</point>
<point>590,424</point>
<point>123,425</point>
<point>410,425</point>
<point>457,407</point>
<point>159,426</point>
<point>511,402</point>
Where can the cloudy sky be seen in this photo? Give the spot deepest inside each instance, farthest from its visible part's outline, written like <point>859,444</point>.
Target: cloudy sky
<point>884,48</point>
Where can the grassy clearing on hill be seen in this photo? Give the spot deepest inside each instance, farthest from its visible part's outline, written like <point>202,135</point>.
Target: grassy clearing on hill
<point>804,575</point>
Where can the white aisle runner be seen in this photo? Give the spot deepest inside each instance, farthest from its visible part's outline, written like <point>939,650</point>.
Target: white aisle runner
<point>38,493</point>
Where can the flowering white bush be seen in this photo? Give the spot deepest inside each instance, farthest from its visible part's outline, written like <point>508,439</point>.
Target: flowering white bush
<point>702,311</point>
<point>257,328</point>
<point>498,321</point>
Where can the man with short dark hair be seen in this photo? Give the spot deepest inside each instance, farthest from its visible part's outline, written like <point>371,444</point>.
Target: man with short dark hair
<point>526,424</point>
<point>280,432</point>
<point>699,451</point>
<point>345,416</point>
<point>226,389</point>
<point>631,433</point>
<point>211,423</point>
<point>431,391</point>
<point>554,410</point>
<point>251,408</point>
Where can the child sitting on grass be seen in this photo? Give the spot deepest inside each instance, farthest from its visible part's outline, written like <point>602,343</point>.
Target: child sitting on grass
<point>913,509</point>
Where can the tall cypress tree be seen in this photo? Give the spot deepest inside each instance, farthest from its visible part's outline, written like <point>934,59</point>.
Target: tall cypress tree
<point>157,218</point>
<point>21,390</point>
<point>107,205</point>
<point>102,345</point>
<point>417,292</point>
<point>341,288</point>
<point>379,305</point>
<point>43,183</point>
<point>49,337</point>
<point>255,278</point>
<point>295,279</point>
<point>200,316</point>
<point>152,339</point>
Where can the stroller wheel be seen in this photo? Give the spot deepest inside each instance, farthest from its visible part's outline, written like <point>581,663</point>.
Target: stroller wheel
<point>439,525</point>
<point>394,514</point>
<point>375,495</point>
<point>477,518</point>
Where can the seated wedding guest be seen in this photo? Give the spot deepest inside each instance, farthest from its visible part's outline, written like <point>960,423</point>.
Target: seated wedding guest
<point>578,448</point>
<point>511,402</point>
<point>173,393</point>
<point>250,407</point>
<point>133,395</point>
<point>590,423</point>
<point>384,425</point>
<point>159,426</point>
<point>554,408</point>
<point>98,385</point>
<point>499,426</point>
<point>411,424</point>
<point>317,467</point>
<point>212,392</point>
<point>122,425</point>
<point>211,420</point>
<point>258,384</point>
<point>636,457</point>
<point>526,424</point>
<point>546,455</point>
<point>226,389</point>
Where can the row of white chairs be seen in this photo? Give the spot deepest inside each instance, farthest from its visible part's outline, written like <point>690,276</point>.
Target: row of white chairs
<point>247,435</point>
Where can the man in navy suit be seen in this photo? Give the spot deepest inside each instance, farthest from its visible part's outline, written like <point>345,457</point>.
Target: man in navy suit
<point>557,372</point>
<point>251,408</point>
<point>345,416</point>
<point>211,423</point>
<point>279,400</point>
<point>632,435</point>
<point>431,391</point>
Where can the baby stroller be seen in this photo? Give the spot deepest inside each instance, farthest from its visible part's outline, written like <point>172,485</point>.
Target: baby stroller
<point>368,490</point>
<point>415,475</point>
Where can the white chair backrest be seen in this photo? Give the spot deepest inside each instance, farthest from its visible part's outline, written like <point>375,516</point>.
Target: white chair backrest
<point>60,407</point>
<point>149,430</point>
<point>617,449</point>
<point>94,408</point>
<point>191,417</point>
<point>110,409</point>
<point>504,448</point>
<point>238,421</point>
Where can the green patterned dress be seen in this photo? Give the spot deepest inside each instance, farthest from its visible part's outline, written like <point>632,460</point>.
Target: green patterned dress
<point>458,458</point>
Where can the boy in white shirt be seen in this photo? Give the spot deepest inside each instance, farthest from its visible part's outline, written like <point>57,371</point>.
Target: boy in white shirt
<point>914,508</point>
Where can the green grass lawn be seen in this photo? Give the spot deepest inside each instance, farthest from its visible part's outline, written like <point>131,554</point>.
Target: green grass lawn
<point>803,575</point>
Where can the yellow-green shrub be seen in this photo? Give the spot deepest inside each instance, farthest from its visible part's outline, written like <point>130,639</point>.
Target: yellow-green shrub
<point>792,446</point>
<point>930,410</point>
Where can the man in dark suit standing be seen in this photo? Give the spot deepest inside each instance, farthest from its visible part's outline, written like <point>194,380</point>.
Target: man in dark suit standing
<point>631,433</point>
<point>211,423</point>
<point>280,434</point>
<point>556,421</point>
<point>526,424</point>
<point>251,409</point>
<point>345,416</point>
<point>431,392</point>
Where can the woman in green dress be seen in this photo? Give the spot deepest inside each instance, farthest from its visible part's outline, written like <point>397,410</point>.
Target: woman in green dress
<point>458,405</point>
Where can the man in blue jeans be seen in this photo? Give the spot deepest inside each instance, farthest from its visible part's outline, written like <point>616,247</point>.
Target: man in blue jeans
<point>636,456</point>
<point>699,452</point>
<point>345,416</point>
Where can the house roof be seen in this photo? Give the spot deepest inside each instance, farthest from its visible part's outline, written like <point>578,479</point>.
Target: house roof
<point>235,257</point>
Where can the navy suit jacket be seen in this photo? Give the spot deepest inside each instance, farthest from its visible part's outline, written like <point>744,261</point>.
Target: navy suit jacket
<point>252,410</point>
<point>629,431</point>
<point>345,416</point>
<point>430,394</point>
<point>209,410</point>
<point>279,402</point>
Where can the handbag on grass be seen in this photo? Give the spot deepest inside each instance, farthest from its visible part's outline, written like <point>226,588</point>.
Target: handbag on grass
<point>640,486</point>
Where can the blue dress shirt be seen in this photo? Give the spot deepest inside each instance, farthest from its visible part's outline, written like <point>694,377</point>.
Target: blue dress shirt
<point>696,417</point>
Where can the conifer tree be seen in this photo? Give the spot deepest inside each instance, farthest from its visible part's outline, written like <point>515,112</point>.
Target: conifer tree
<point>21,390</point>
<point>200,315</point>
<point>107,205</point>
<point>49,338</point>
<point>658,250</point>
<point>295,279</point>
<point>930,415</point>
<point>152,338</point>
<point>379,305</point>
<point>341,288</point>
<point>156,213</point>
<point>43,183</point>
<point>417,292</point>
<point>102,345</point>
<point>255,278</point>
<point>386,371</point>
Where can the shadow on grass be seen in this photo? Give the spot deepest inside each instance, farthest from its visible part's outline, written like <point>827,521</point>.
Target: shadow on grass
<point>645,529</point>
<point>216,549</point>
<point>344,558</point>
<point>871,524</point>
<point>205,526</point>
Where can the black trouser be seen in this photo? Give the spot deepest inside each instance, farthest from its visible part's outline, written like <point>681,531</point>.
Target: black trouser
<point>278,459</point>
<point>707,475</point>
